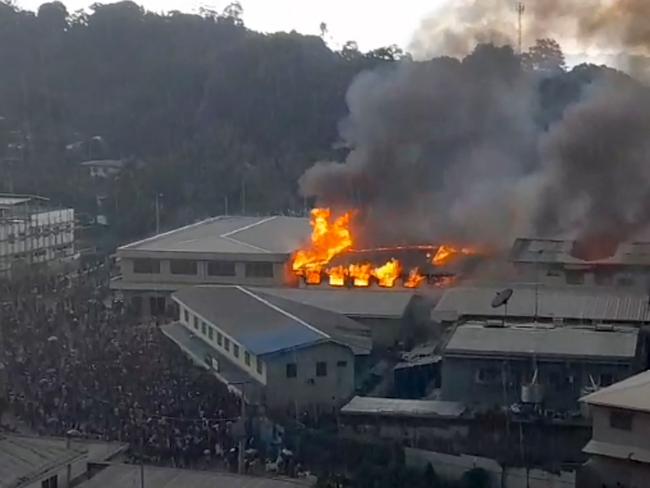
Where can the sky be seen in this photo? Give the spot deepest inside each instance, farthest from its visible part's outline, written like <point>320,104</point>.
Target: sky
<point>372,23</point>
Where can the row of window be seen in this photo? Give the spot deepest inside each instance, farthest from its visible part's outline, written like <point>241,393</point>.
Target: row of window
<point>223,342</point>
<point>492,375</point>
<point>190,267</point>
<point>321,368</point>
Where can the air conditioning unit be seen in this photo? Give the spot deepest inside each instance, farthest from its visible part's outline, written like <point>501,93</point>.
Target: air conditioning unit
<point>494,323</point>
<point>605,327</point>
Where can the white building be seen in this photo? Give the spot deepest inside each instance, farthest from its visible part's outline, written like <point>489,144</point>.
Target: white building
<point>251,251</point>
<point>283,354</point>
<point>34,236</point>
<point>619,450</point>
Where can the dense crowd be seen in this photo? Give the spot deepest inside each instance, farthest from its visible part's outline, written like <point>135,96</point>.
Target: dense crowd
<point>78,360</point>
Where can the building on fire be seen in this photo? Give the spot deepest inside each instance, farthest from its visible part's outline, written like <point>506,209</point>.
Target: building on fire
<point>251,251</point>
<point>285,355</point>
<point>566,262</point>
<point>488,364</point>
<point>619,450</point>
<point>35,236</point>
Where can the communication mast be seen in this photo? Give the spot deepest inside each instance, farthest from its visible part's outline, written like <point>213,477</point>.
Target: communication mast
<point>521,8</point>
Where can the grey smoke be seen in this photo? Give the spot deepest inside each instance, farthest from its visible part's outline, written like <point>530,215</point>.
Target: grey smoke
<point>472,151</point>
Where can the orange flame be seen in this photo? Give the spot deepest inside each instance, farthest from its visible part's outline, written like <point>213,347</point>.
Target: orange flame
<point>415,279</point>
<point>446,253</point>
<point>388,273</point>
<point>360,274</point>
<point>337,276</point>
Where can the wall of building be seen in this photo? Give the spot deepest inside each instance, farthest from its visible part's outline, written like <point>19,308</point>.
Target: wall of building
<point>37,239</point>
<point>601,472</point>
<point>385,333</point>
<point>497,381</point>
<point>224,343</point>
<point>307,389</point>
<point>637,436</point>
<point>240,277</point>
<point>559,274</point>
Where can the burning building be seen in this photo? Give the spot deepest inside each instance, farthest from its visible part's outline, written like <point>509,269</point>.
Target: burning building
<point>331,257</point>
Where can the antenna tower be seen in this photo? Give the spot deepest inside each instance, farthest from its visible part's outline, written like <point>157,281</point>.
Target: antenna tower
<point>521,8</point>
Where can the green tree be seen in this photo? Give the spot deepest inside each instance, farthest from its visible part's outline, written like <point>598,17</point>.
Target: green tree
<point>545,56</point>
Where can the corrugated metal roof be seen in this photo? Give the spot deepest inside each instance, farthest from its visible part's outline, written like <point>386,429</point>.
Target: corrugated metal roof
<point>124,475</point>
<point>559,251</point>
<point>266,324</point>
<point>351,303</point>
<point>24,460</point>
<point>626,452</point>
<point>631,394</point>
<point>249,235</point>
<point>569,302</point>
<point>395,407</point>
<point>543,341</point>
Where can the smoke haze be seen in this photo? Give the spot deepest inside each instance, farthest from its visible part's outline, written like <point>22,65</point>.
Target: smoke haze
<point>480,150</point>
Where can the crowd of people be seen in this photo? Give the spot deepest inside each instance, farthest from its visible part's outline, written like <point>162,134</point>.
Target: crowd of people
<point>77,360</point>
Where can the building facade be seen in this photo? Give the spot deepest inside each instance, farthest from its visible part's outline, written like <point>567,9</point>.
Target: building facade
<point>488,365</point>
<point>619,450</point>
<point>287,356</point>
<point>251,251</point>
<point>34,237</point>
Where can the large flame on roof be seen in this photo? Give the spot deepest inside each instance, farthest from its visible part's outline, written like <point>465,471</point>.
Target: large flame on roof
<point>331,236</point>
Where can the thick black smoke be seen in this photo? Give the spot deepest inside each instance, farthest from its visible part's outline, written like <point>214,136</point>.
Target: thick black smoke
<point>479,150</point>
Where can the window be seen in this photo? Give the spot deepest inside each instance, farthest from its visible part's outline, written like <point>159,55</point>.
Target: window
<point>211,333</point>
<point>204,328</point>
<point>575,277</point>
<point>146,266</point>
<point>260,366</point>
<point>219,338</point>
<point>235,350</point>
<point>487,375</point>
<point>259,270</point>
<point>182,267</point>
<point>226,344</point>
<point>606,379</point>
<point>292,370</point>
<point>620,420</point>
<point>321,368</point>
<point>341,364</point>
<point>196,323</point>
<point>247,358</point>
<point>186,314</point>
<point>221,268</point>
<point>52,482</point>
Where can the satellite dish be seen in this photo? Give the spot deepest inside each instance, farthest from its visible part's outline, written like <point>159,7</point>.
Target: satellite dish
<point>502,298</point>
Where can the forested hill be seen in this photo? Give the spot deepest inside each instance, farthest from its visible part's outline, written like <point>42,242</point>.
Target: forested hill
<point>207,103</point>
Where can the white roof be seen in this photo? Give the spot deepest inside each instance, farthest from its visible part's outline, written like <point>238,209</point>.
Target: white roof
<point>600,304</point>
<point>543,341</point>
<point>359,303</point>
<point>226,235</point>
<point>630,394</point>
<point>396,407</point>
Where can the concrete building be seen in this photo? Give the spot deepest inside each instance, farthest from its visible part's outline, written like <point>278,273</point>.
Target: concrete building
<point>619,450</point>
<point>34,236</point>
<point>104,168</point>
<point>488,364</point>
<point>545,303</point>
<point>129,475</point>
<point>555,262</point>
<point>251,251</point>
<point>283,354</point>
<point>393,316</point>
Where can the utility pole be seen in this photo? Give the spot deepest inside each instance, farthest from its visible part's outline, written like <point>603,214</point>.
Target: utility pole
<point>521,8</point>
<point>242,441</point>
<point>158,195</point>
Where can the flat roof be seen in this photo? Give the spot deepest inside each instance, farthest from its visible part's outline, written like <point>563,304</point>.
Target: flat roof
<point>601,304</point>
<point>126,475</point>
<point>366,303</point>
<point>396,407</point>
<point>626,452</point>
<point>540,340</point>
<point>24,460</point>
<point>632,393</point>
<point>559,251</point>
<point>266,324</point>
<point>238,235</point>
